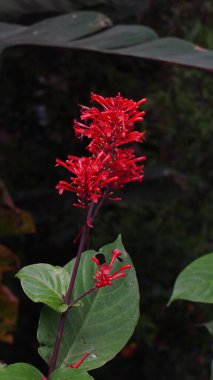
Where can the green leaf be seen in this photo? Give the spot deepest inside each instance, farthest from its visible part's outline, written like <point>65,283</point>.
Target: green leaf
<point>195,282</point>
<point>104,321</point>
<point>70,374</point>
<point>57,31</point>
<point>209,326</point>
<point>172,50</point>
<point>20,371</point>
<point>8,29</point>
<point>45,283</point>
<point>87,30</point>
<point>118,36</point>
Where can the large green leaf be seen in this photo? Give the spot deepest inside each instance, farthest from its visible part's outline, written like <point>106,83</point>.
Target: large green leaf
<point>8,29</point>
<point>58,31</point>
<point>118,36</point>
<point>172,50</point>
<point>73,31</point>
<point>104,321</point>
<point>70,374</point>
<point>45,283</point>
<point>20,371</point>
<point>195,282</point>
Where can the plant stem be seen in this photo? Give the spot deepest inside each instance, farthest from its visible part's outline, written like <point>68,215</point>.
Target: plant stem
<point>83,295</point>
<point>85,232</point>
<point>100,204</point>
<point>69,294</point>
<point>67,301</point>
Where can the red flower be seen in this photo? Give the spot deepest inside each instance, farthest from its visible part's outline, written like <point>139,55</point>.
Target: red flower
<point>102,276</point>
<point>126,167</point>
<point>91,177</point>
<point>111,127</point>
<point>76,365</point>
<point>110,167</point>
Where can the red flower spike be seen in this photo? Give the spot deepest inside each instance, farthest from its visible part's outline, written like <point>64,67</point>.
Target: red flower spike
<point>76,365</point>
<point>111,127</point>
<point>102,276</point>
<point>110,167</point>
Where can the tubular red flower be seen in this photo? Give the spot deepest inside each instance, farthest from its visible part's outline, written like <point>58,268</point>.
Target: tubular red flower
<point>126,167</point>
<point>102,276</point>
<point>76,365</point>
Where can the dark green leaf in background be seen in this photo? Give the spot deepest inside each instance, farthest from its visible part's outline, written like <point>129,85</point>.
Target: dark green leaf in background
<point>104,321</point>
<point>172,50</point>
<point>58,31</point>
<point>118,36</point>
<point>73,31</point>
<point>195,282</point>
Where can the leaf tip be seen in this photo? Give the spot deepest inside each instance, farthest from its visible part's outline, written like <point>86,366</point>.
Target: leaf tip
<point>170,301</point>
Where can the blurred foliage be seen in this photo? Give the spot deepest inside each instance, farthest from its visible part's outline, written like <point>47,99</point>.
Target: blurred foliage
<point>165,223</point>
<point>13,221</point>
<point>16,223</point>
<point>8,301</point>
<point>121,9</point>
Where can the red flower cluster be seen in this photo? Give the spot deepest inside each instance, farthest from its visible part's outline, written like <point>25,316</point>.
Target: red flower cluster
<point>102,276</point>
<point>110,165</point>
<point>111,127</point>
<point>91,176</point>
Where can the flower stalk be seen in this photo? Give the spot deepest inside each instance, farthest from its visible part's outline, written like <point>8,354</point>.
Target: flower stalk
<point>110,166</point>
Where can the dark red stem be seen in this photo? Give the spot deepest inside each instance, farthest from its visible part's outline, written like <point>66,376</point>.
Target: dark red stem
<point>84,236</point>
<point>100,204</point>
<point>67,297</point>
<point>82,296</point>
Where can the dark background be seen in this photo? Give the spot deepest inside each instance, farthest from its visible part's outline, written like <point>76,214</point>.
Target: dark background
<point>166,221</point>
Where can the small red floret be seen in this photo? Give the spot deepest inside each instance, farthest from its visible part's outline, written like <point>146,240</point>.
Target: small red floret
<point>102,276</point>
<point>76,365</point>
